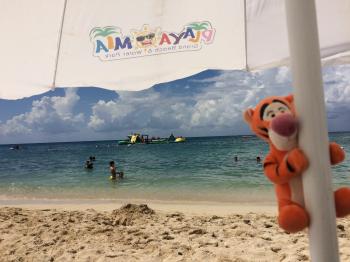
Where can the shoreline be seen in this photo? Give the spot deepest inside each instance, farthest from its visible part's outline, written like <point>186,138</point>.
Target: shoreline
<point>163,206</point>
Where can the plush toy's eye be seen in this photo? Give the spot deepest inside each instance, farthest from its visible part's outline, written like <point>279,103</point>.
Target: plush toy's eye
<point>270,114</point>
<point>273,110</point>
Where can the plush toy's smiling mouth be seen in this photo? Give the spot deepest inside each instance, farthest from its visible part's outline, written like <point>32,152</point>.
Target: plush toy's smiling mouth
<point>283,143</point>
<point>283,132</point>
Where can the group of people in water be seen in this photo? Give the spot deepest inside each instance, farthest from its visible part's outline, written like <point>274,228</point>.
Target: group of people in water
<point>258,159</point>
<point>89,164</point>
<point>112,168</point>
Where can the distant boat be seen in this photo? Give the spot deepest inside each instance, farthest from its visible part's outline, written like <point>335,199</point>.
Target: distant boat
<point>124,142</point>
<point>159,141</point>
<point>180,139</point>
<point>135,139</point>
<point>15,147</point>
<point>144,139</point>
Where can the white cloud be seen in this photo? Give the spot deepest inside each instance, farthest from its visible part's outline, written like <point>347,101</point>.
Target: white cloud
<point>217,105</point>
<point>337,95</point>
<point>129,111</point>
<point>337,90</point>
<point>283,75</point>
<point>48,115</point>
<point>16,125</point>
<point>211,106</point>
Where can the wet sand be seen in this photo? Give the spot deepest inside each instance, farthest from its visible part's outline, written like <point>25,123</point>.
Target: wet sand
<point>136,232</point>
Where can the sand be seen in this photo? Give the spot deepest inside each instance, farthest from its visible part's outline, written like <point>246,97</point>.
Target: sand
<point>136,232</point>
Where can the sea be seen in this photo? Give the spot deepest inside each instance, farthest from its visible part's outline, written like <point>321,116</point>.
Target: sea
<point>201,169</point>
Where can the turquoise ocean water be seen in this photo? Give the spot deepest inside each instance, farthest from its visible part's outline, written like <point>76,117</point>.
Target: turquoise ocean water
<point>202,169</point>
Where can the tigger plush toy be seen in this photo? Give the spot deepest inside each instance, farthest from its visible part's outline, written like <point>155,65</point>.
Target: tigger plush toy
<point>274,120</point>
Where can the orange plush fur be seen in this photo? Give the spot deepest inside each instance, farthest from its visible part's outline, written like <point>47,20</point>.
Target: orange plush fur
<point>274,120</point>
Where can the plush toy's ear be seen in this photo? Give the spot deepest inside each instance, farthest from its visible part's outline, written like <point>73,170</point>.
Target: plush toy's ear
<point>248,115</point>
<point>289,98</point>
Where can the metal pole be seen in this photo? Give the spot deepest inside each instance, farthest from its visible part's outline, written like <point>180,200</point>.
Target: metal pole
<point>313,136</point>
<point>59,44</point>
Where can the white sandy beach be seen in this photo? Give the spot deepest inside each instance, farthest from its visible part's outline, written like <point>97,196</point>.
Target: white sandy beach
<point>161,231</point>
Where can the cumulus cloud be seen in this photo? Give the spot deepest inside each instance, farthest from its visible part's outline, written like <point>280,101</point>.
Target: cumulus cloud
<point>135,111</point>
<point>217,105</point>
<point>337,90</point>
<point>337,95</point>
<point>48,115</point>
<point>191,107</point>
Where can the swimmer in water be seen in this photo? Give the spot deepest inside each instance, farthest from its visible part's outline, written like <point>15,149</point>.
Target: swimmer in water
<point>113,171</point>
<point>89,164</point>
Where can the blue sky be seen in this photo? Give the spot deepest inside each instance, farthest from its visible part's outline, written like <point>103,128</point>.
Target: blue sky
<point>206,104</point>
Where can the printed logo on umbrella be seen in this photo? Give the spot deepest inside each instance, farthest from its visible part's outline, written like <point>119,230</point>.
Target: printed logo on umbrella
<point>110,43</point>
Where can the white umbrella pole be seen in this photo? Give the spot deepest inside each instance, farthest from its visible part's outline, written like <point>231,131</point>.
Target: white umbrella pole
<point>313,136</point>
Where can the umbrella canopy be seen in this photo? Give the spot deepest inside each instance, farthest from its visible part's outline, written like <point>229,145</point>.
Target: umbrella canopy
<point>132,45</point>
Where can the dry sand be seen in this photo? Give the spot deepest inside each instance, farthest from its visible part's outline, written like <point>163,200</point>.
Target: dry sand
<point>138,233</point>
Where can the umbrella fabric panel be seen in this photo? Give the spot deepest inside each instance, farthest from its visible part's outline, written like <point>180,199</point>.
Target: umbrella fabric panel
<point>29,40</point>
<point>100,44</point>
<point>100,47</point>
<point>267,42</point>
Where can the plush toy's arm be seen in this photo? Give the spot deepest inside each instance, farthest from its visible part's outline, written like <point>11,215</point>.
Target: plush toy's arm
<point>336,153</point>
<point>273,171</point>
<point>292,165</point>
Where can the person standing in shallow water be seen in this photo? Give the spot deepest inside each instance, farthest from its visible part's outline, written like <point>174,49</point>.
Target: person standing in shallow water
<point>113,171</point>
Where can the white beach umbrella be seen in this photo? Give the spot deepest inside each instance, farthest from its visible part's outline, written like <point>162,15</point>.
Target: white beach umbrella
<point>70,43</point>
<point>131,45</point>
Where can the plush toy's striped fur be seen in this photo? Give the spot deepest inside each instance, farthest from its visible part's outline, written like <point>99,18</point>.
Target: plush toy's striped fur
<point>274,120</point>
